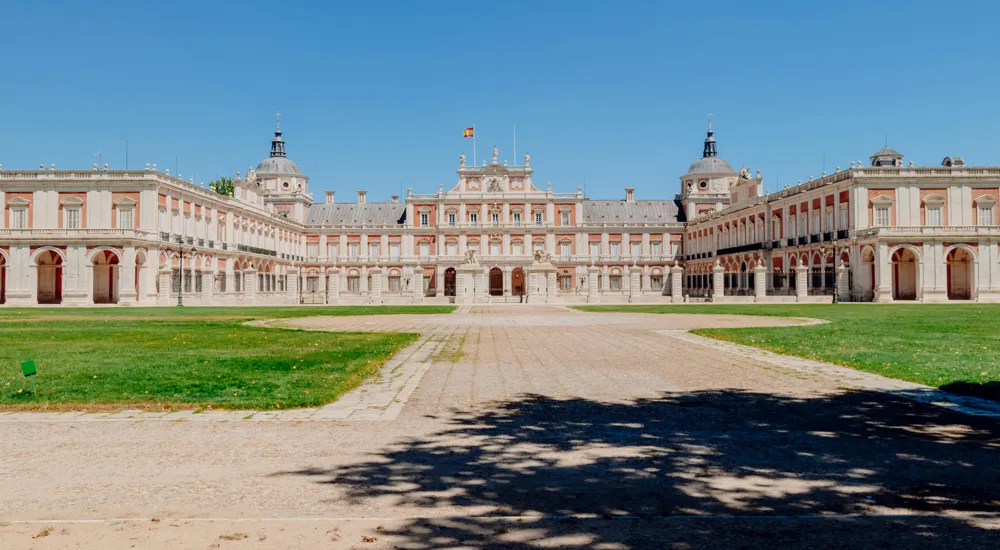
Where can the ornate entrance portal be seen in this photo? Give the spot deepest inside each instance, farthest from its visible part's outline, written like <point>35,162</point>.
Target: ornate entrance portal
<point>496,282</point>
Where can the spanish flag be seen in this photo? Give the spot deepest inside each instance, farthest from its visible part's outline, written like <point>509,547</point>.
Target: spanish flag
<point>468,132</point>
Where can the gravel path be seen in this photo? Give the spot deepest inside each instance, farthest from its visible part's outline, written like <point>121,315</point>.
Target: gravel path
<point>526,426</point>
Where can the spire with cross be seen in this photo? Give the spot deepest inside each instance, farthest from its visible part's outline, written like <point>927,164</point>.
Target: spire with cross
<point>709,141</point>
<point>277,144</point>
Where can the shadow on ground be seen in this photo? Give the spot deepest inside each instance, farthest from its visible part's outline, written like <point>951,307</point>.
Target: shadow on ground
<point>665,461</point>
<point>985,390</point>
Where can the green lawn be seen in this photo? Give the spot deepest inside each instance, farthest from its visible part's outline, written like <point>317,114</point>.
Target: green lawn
<point>953,347</point>
<point>193,357</point>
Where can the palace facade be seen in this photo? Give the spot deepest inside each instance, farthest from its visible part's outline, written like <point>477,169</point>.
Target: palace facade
<point>877,231</point>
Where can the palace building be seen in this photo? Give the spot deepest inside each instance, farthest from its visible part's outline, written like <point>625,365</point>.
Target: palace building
<point>878,231</point>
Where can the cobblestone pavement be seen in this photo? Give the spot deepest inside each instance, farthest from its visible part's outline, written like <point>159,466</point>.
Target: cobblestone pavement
<point>529,426</point>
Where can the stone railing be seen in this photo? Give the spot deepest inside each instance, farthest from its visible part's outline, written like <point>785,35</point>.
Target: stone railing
<point>931,231</point>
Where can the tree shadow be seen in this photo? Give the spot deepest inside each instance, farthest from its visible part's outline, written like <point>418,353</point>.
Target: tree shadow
<point>682,466</point>
<point>985,390</point>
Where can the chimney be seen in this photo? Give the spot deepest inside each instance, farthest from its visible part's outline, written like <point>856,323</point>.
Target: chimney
<point>395,199</point>
<point>361,196</point>
<point>329,197</point>
<point>630,194</point>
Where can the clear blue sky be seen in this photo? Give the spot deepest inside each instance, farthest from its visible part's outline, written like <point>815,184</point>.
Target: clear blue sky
<point>612,93</point>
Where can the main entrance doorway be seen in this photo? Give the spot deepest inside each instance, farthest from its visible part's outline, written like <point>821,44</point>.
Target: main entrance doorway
<point>517,282</point>
<point>496,282</point>
<point>449,281</point>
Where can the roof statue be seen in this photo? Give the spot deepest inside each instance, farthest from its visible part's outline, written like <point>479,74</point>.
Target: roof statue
<point>527,160</point>
<point>251,176</point>
<point>495,153</point>
<point>744,173</point>
<point>461,160</point>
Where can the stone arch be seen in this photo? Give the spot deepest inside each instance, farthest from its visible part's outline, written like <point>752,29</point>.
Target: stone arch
<point>905,272</point>
<point>48,263</point>
<point>106,264</point>
<point>38,251</point>
<point>962,264</point>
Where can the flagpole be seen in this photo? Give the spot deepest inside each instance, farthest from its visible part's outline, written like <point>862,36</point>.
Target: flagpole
<point>474,163</point>
<point>515,145</point>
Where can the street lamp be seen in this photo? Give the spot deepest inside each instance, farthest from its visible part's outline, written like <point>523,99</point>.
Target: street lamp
<point>180,282</point>
<point>836,274</point>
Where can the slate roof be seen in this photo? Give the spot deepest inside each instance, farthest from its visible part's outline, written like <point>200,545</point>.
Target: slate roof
<point>372,213</point>
<point>710,165</point>
<point>619,211</point>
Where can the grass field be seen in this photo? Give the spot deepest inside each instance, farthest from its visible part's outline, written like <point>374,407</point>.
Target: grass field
<point>953,347</point>
<point>194,357</point>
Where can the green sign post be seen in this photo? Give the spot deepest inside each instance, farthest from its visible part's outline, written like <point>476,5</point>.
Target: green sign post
<point>29,369</point>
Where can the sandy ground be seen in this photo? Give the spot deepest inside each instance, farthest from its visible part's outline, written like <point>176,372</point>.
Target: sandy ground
<point>622,437</point>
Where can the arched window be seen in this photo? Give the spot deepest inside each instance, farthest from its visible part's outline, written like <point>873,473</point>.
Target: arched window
<point>656,279</point>
<point>394,282</point>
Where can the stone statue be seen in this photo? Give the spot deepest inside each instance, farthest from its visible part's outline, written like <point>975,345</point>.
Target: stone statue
<point>527,160</point>
<point>744,173</point>
<point>495,153</point>
<point>542,257</point>
<point>461,160</point>
<point>470,257</point>
<point>494,186</point>
<point>251,176</point>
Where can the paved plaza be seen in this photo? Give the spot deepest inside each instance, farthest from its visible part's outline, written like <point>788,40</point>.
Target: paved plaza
<point>525,426</point>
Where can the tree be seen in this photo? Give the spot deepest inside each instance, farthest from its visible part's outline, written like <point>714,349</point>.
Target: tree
<point>223,186</point>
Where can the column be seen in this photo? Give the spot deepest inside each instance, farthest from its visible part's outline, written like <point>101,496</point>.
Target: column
<point>634,290</point>
<point>801,276</point>
<point>883,273</point>
<point>376,289</point>
<point>165,276</point>
<point>207,287</point>
<point>127,294</point>
<point>718,282</point>
<point>550,287</point>
<point>759,282</point>
<point>843,286</point>
<point>593,293</point>
<point>230,278</point>
<point>332,285</point>
<point>249,285</point>
<point>291,287</point>
<point>676,283</point>
<point>507,278</point>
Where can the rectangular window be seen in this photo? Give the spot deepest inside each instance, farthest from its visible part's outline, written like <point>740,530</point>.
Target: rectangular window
<point>373,250</point>
<point>19,218</point>
<point>985,215</point>
<point>125,218</point>
<point>657,250</point>
<point>843,218</point>
<point>792,227</point>
<point>72,220</point>
<point>495,218</point>
<point>882,216</point>
<point>517,218</point>
<point>616,250</point>
<point>452,249</point>
<point>331,250</point>
<point>473,218</point>
<point>394,251</point>
<point>352,251</point>
<point>934,216</point>
<point>636,250</point>
<point>425,250</point>
<point>538,218</point>
<point>595,251</point>
<point>564,250</point>
<point>517,249</point>
<point>564,218</point>
<point>424,222</point>
<point>451,218</point>
<point>494,249</point>
<point>829,219</point>
<point>312,250</point>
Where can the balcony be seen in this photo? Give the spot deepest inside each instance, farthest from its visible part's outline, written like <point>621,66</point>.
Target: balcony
<point>255,250</point>
<point>201,242</point>
<point>776,244</point>
<point>843,234</point>
<point>828,236</point>
<point>815,238</point>
<point>790,242</point>
<point>164,236</point>
<point>177,239</point>
<point>211,244</point>
<point>803,241</point>
<point>740,248</point>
